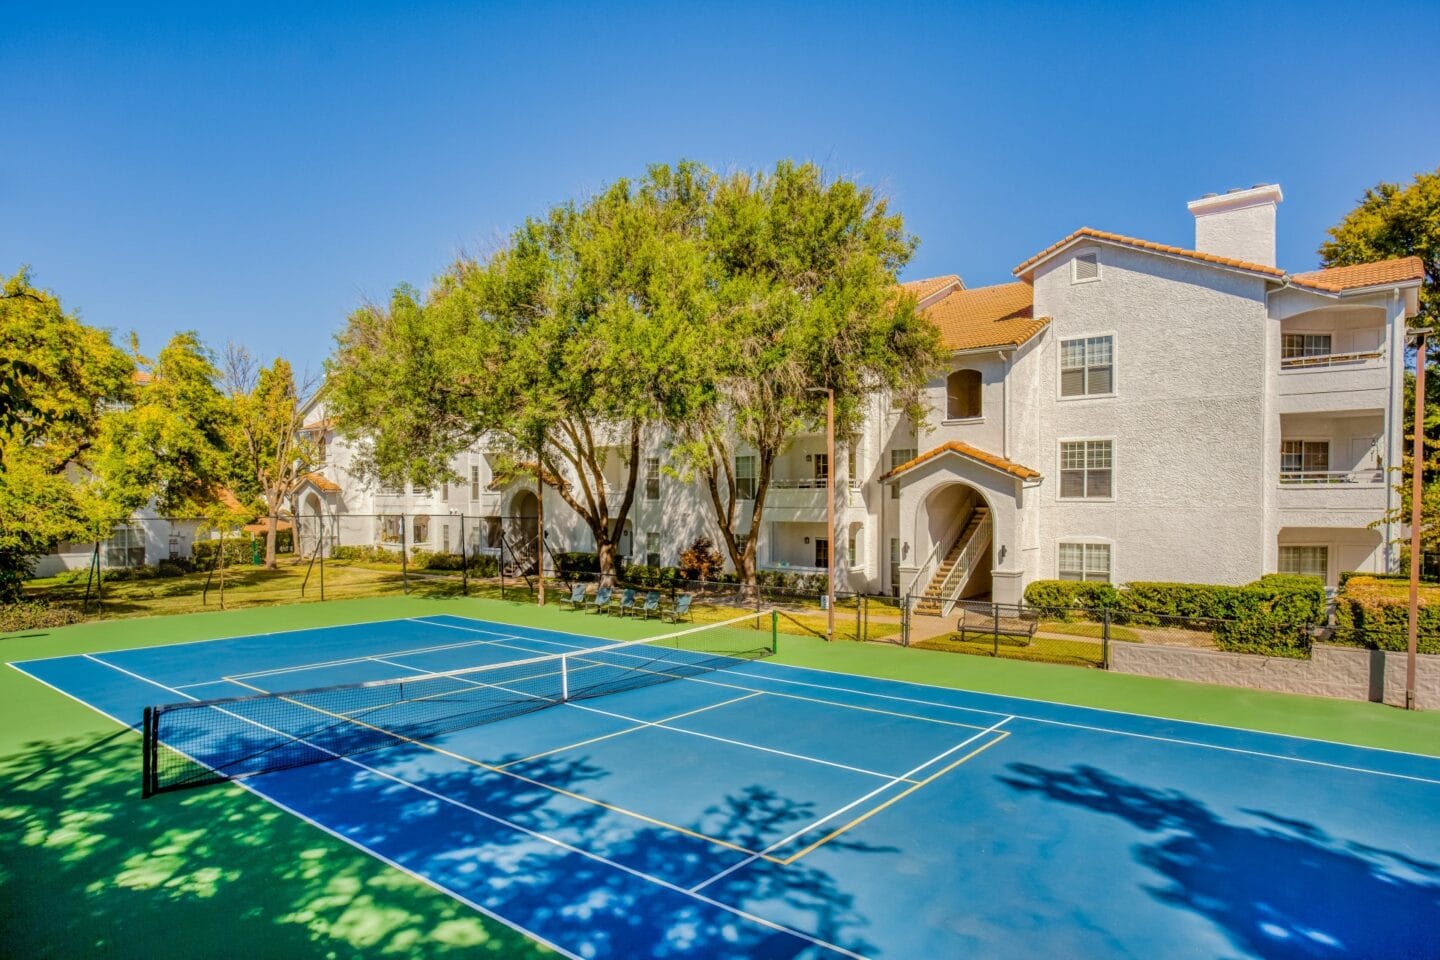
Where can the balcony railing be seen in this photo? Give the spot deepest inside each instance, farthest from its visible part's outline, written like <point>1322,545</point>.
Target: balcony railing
<point>1331,477</point>
<point>1329,360</point>
<point>806,483</point>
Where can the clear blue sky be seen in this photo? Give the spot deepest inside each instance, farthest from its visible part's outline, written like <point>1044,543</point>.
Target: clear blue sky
<point>254,172</point>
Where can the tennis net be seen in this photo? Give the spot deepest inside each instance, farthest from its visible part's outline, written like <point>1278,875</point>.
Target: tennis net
<point>199,742</point>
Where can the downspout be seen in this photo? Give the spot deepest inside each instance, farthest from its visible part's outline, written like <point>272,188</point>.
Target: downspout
<point>1005,405</point>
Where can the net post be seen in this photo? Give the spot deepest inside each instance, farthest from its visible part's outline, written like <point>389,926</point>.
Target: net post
<point>995,613</point>
<point>464,560</point>
<point>1105,641</point>
<point>147,754</point>
<point>565,679</point>
<point>404,558</point>
<point>774,630</point>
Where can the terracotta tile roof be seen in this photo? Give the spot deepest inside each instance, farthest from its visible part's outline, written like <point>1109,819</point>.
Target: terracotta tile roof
<point>1024,268</point>
<point>321,483</point>
<point>998,316</point>
<point>1337,279</point>
<point>263,526</point>
<point>930,286</point>
<point>229,501</point>
<point>965,450</point>
<point>317,425</point>
<point>141,377</point>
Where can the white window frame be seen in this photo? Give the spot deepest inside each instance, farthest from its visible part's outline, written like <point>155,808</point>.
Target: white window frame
<point>741,489</point>
<point>1084,571</point>
<point>1305,546</point>
<point>1114,366</point>
<point>1114,469</point>
<point>1307,333</point>
<point>474,482</point>
<point>976,418</point>
<point>1075,265</point>
<point>896,462</point>
<point>652,476</point>
<point>1329,457</point>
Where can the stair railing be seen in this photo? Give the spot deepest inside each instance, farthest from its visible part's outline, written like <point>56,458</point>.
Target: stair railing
<point>955,580</point>
<point>916,587</point>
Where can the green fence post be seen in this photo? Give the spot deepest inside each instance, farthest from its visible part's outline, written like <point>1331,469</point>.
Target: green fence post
<point>774,631</point>
<point>1105,640</point>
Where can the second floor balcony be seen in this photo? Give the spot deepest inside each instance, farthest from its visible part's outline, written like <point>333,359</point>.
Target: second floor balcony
<point>1342,369</point>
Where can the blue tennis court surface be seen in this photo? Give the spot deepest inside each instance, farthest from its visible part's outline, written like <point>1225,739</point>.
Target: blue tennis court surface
<point>775,811</point>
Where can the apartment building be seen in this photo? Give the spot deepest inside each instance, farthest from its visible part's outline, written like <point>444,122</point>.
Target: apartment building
<point>1124,410</point>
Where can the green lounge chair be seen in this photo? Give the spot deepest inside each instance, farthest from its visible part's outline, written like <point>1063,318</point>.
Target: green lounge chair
<point>576,598</point>
<point>681,610</point>
<point>601,600</point>
<point>652,605</point>
<point>627,602</point>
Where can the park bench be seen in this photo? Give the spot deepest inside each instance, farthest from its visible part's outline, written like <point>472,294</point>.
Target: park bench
<point>998,620</point>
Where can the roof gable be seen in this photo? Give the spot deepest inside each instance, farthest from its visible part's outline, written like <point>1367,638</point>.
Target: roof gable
<point>999,316</point>
<point>965,450</point>
<point>1026,270</point>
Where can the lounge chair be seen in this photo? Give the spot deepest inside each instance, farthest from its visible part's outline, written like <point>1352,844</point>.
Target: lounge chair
<point>576,598</point>
<point>680,610</point>
<point>627,602</point>
<point>601,600</point>
<point>652,605</point>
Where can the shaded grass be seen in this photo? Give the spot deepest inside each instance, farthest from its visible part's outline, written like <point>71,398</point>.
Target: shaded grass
<point>1039,649</point>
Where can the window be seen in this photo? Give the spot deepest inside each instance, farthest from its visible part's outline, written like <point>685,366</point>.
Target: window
<point>1302,460</point>
<point>125,547</point>
<point>962,395</point>
<point>822,553</point>
<point>822,468</point>
<point>741,539</point>
<point>652,548</point>
<point>1087,366</point>
<point>745,477</point>
<point>1085,469</point>
<point>851,548</point>
<point>445,491</point>
<point>390,490</point>
<point>1085,561</point>
<point>852,471</point>
<point>898,457</point>
<point>391,529</point>
<point>474,483</point>
<point>652,478</point>
<point>420,530</point>
<point>1085,267</point>
<point>894,567</point>
<point>420,491</point>
<point>1309,561</point>
<point>1295,346</point>
<point>444,538</point>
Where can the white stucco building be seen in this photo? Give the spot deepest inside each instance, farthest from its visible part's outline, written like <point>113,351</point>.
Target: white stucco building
<point>1125,410</point>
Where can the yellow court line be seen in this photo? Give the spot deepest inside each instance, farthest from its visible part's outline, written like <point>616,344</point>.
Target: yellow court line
<point>544,786</point>
<point>901,795</point>
<point>640,725</point>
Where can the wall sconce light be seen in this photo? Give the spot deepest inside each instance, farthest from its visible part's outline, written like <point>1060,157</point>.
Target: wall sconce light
<point>807,541</point>
<point>807,458</point>
<point>1001,556</point>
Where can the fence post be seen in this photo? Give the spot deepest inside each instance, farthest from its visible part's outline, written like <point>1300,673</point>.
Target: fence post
<point>905,620</point>
<point>995,612</point>
<point>404,558</point>
<point>1105,640</point>
<point>774,630</point>
<point>502,565</point>
<point>464,560</point>
<point>858,600</point>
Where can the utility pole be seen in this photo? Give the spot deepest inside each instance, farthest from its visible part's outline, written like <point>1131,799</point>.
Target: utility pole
<point>1417,470</point>
<point>829,509</point>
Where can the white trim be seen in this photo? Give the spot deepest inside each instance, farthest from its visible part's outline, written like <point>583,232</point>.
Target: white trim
<point>1031,268</point>
<point>1084,541</point>
<point>1060,342</point>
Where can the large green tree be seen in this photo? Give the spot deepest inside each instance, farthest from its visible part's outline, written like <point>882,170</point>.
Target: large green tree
<point>566,348</point>
<point>803,270</point>
<point>58,379</point>
<point>270,451</point>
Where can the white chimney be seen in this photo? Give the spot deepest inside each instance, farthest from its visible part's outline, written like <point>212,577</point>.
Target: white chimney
<point>1239,224</point>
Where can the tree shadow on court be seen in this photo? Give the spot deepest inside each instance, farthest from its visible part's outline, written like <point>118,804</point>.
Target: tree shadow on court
<point>88,868</point>
<point>587,906</point>
<point>1279,888</point>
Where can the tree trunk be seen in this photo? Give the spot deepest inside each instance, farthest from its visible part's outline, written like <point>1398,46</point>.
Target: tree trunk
<point>605,552</point>
<point>271,536</point>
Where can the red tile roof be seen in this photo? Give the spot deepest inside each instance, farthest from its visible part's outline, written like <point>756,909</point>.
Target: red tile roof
<point>1024,269</point>
<point>998,316</point>
<point>973,453</point>
<point>321,483</point>
<point>319,425</point>
<point>930,286</point>
<point>1338,279</point>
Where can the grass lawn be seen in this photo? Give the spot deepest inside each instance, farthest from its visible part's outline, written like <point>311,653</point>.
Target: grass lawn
<point>88,868</point>
<point>1039,650</point>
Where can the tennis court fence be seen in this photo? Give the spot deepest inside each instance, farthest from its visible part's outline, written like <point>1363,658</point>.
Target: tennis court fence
<point>197,742</point>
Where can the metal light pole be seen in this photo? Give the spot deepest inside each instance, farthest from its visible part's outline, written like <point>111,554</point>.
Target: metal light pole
<point>1417,470</point>
<point>829,509</point>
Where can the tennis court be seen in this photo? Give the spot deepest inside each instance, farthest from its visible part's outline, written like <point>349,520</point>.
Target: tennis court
<point>749,808</point>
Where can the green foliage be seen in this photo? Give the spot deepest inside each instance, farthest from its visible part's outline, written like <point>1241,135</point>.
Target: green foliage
<point>1059,598</point>
<point>576,561</point>
<point>368,553</point>
<point>641,575</point>
<point>1371,612</point>
<point>1394,220</point>
<point>33,615</point>
<point>169,445</point>
<point>239,551</point>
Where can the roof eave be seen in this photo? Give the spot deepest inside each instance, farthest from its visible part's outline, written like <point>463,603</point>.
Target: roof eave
<point>1026,270</point>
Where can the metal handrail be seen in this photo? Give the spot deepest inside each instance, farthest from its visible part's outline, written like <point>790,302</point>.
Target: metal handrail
<point>966,562</point>
<point>1328,360</point>
<point>1329,477</point>
<point>944,543</point>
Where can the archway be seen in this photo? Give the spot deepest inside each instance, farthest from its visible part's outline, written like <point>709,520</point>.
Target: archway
<point>310,524</point>
<point>955,531</point>
<point>522,528</point>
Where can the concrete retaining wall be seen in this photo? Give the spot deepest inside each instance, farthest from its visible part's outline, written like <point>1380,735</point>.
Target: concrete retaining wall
<point>1343,672</point>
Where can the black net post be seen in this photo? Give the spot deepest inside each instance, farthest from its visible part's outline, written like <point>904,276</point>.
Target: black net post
<point>404,558</point>
<point>147,754</point>
<point>1105,639</point>
<point>464,560</point>
<point>321,538</point>
<point>995,615</point>
<point>857,618</point>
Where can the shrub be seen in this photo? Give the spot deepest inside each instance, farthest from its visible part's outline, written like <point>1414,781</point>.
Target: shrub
<point>576,561</point>
<point>484,565</point>
<point>122,574</point>
<point>176,567</point>
<point>1370,613</point>
<point>34,615</point>
<point>427,560</point>
<point>701,561</point>
<point>1059,599</point>
<point>366,553</point>
<point>237,552</point>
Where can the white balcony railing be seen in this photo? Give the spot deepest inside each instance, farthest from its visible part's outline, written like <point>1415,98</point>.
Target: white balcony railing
<point>1329,360</point>
<point>807,483</point>
<point>1319,478</point>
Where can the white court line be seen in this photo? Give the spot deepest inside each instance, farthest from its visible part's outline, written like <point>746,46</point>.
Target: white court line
<point>545,838</point>
<point>1082,726</point>
<point>664,725</point>
<point>344,661</point>
<point>849,806</point>
<point>1007,696</point>
<point>736,686</point>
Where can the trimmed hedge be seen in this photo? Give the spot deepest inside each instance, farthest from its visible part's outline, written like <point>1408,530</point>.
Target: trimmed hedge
<point>368,553</point>
<point>1368,613</point>
<point>1270,616</point>
<point>577,561</point>
<point>35,615</point>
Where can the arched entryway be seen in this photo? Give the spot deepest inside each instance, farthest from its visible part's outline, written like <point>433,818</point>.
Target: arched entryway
<point>522,528</point>
<point>310,524</point>
<point>955,541</point>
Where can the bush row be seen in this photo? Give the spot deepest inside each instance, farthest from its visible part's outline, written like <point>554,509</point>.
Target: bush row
<point>1370,613</point>
<point>34,615</point>
<point>1270,616</point>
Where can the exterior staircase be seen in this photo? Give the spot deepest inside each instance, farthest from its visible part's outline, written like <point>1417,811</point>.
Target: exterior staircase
<point>933,601</point>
